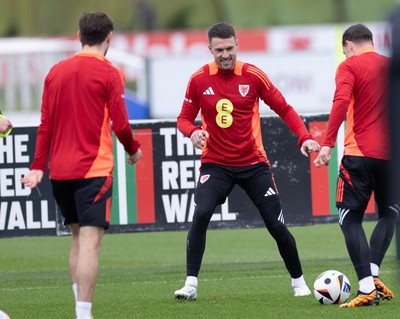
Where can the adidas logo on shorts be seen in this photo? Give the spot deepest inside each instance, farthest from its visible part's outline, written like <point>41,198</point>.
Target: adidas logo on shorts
<point>270,192</point>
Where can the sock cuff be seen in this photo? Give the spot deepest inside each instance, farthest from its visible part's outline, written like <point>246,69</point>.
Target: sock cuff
<point>298,282</point>
<point>84,305</point>
<point>374,270</point>
<point>192,281</point>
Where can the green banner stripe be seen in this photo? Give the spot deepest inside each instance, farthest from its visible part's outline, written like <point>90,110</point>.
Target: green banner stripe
<point>333,174</point>
<point>131,193</point>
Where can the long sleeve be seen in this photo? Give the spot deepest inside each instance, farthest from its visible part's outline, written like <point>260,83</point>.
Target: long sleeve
<point>119,115</point>
<point>278,104</point>
<point>341,100</point>
<point>43,140</point>
<point>186,120</point>
<point>190,110</point>
<point>336,118</point>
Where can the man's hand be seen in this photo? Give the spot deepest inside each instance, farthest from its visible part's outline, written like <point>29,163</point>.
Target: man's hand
<point>198,137</point>
<point>33,178</point>
<point>5,125</point>
<point>132,159</point>
<point>323,157</point>
<point>309,146</point>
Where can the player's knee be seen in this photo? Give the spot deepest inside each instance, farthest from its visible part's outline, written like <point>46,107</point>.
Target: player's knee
<point>203,212</point>
<point>389,212</point>
<point>271,213</point>
<point>279,231</point>
<point>205,203</point>
<point>349,217</point>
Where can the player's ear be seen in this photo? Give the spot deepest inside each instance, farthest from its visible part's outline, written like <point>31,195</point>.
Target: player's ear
<point>78,35</point>
<point>108,39</point>
<point>350,45</point>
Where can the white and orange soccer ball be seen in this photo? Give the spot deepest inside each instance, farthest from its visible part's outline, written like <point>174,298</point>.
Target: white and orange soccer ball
<point>3,315</point>
<point>332,287</point>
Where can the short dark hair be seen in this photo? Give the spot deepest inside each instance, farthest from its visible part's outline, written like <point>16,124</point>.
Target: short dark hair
<point>94,27</point>
<point>222,30</point>
<point>357,33</point>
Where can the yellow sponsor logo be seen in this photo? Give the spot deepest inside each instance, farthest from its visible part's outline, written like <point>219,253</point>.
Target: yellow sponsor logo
<point>224,117</point>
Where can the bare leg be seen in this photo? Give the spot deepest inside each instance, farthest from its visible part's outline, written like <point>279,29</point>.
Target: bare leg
<point>87,264</point>
<point>73,255</point>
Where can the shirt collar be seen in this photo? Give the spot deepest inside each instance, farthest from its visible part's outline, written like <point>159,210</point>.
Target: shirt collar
<point>97,55</point>
<point>365,50</point>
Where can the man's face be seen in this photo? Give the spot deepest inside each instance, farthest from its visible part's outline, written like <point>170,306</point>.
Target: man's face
<point>224,52</point>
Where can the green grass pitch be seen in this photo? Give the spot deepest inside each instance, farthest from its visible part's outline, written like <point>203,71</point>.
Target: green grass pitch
<point>242,276</point>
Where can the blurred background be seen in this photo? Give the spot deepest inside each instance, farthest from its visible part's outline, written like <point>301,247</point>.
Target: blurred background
<point>159,44</point>
<point>59,17</point>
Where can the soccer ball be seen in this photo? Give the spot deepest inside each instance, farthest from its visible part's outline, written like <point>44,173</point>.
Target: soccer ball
<point>332,287</point>
<point>3,315</point>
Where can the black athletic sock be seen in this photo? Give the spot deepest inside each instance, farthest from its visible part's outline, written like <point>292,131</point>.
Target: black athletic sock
<point>357,243</point>
<point>271,213</point>
<point>382,236</point>
<point>196,239</point>
<point>195,246</point>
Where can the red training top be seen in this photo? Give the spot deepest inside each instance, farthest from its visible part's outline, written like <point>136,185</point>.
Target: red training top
<point>229,104</point>
<point>361,92</point>
<point>81,95</point>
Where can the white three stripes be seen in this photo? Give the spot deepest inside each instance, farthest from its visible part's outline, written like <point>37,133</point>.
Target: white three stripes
<point>342,214</point>
<point>280,217</point>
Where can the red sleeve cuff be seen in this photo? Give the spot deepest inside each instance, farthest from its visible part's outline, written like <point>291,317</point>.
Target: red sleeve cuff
<point>196,128</point>
<point>305,138</point>
<point>133,148</point>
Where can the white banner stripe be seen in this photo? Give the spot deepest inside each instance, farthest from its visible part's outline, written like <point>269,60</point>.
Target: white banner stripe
<point>123,215</point>
<point>340,143</point>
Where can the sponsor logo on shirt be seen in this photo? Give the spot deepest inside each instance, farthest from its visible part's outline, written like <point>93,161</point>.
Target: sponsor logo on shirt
<point>244,89</point>
<point>224,116</point>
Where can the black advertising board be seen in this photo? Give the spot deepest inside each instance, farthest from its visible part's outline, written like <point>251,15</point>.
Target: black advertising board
<point>157,193</point>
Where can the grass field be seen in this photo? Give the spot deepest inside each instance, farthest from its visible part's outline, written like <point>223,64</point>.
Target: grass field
<point>242,276</point>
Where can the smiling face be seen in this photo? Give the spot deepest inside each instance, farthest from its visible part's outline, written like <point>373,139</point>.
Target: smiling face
<point>224,52</point>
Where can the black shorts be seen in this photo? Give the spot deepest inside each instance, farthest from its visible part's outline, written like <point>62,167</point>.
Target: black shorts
<point>256,180</point>
<point>86,202</point>
<point>358,178</point>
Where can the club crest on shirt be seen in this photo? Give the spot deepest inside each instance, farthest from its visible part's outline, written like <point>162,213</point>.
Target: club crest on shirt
<point>244,89</point>
<point>204,178</point>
